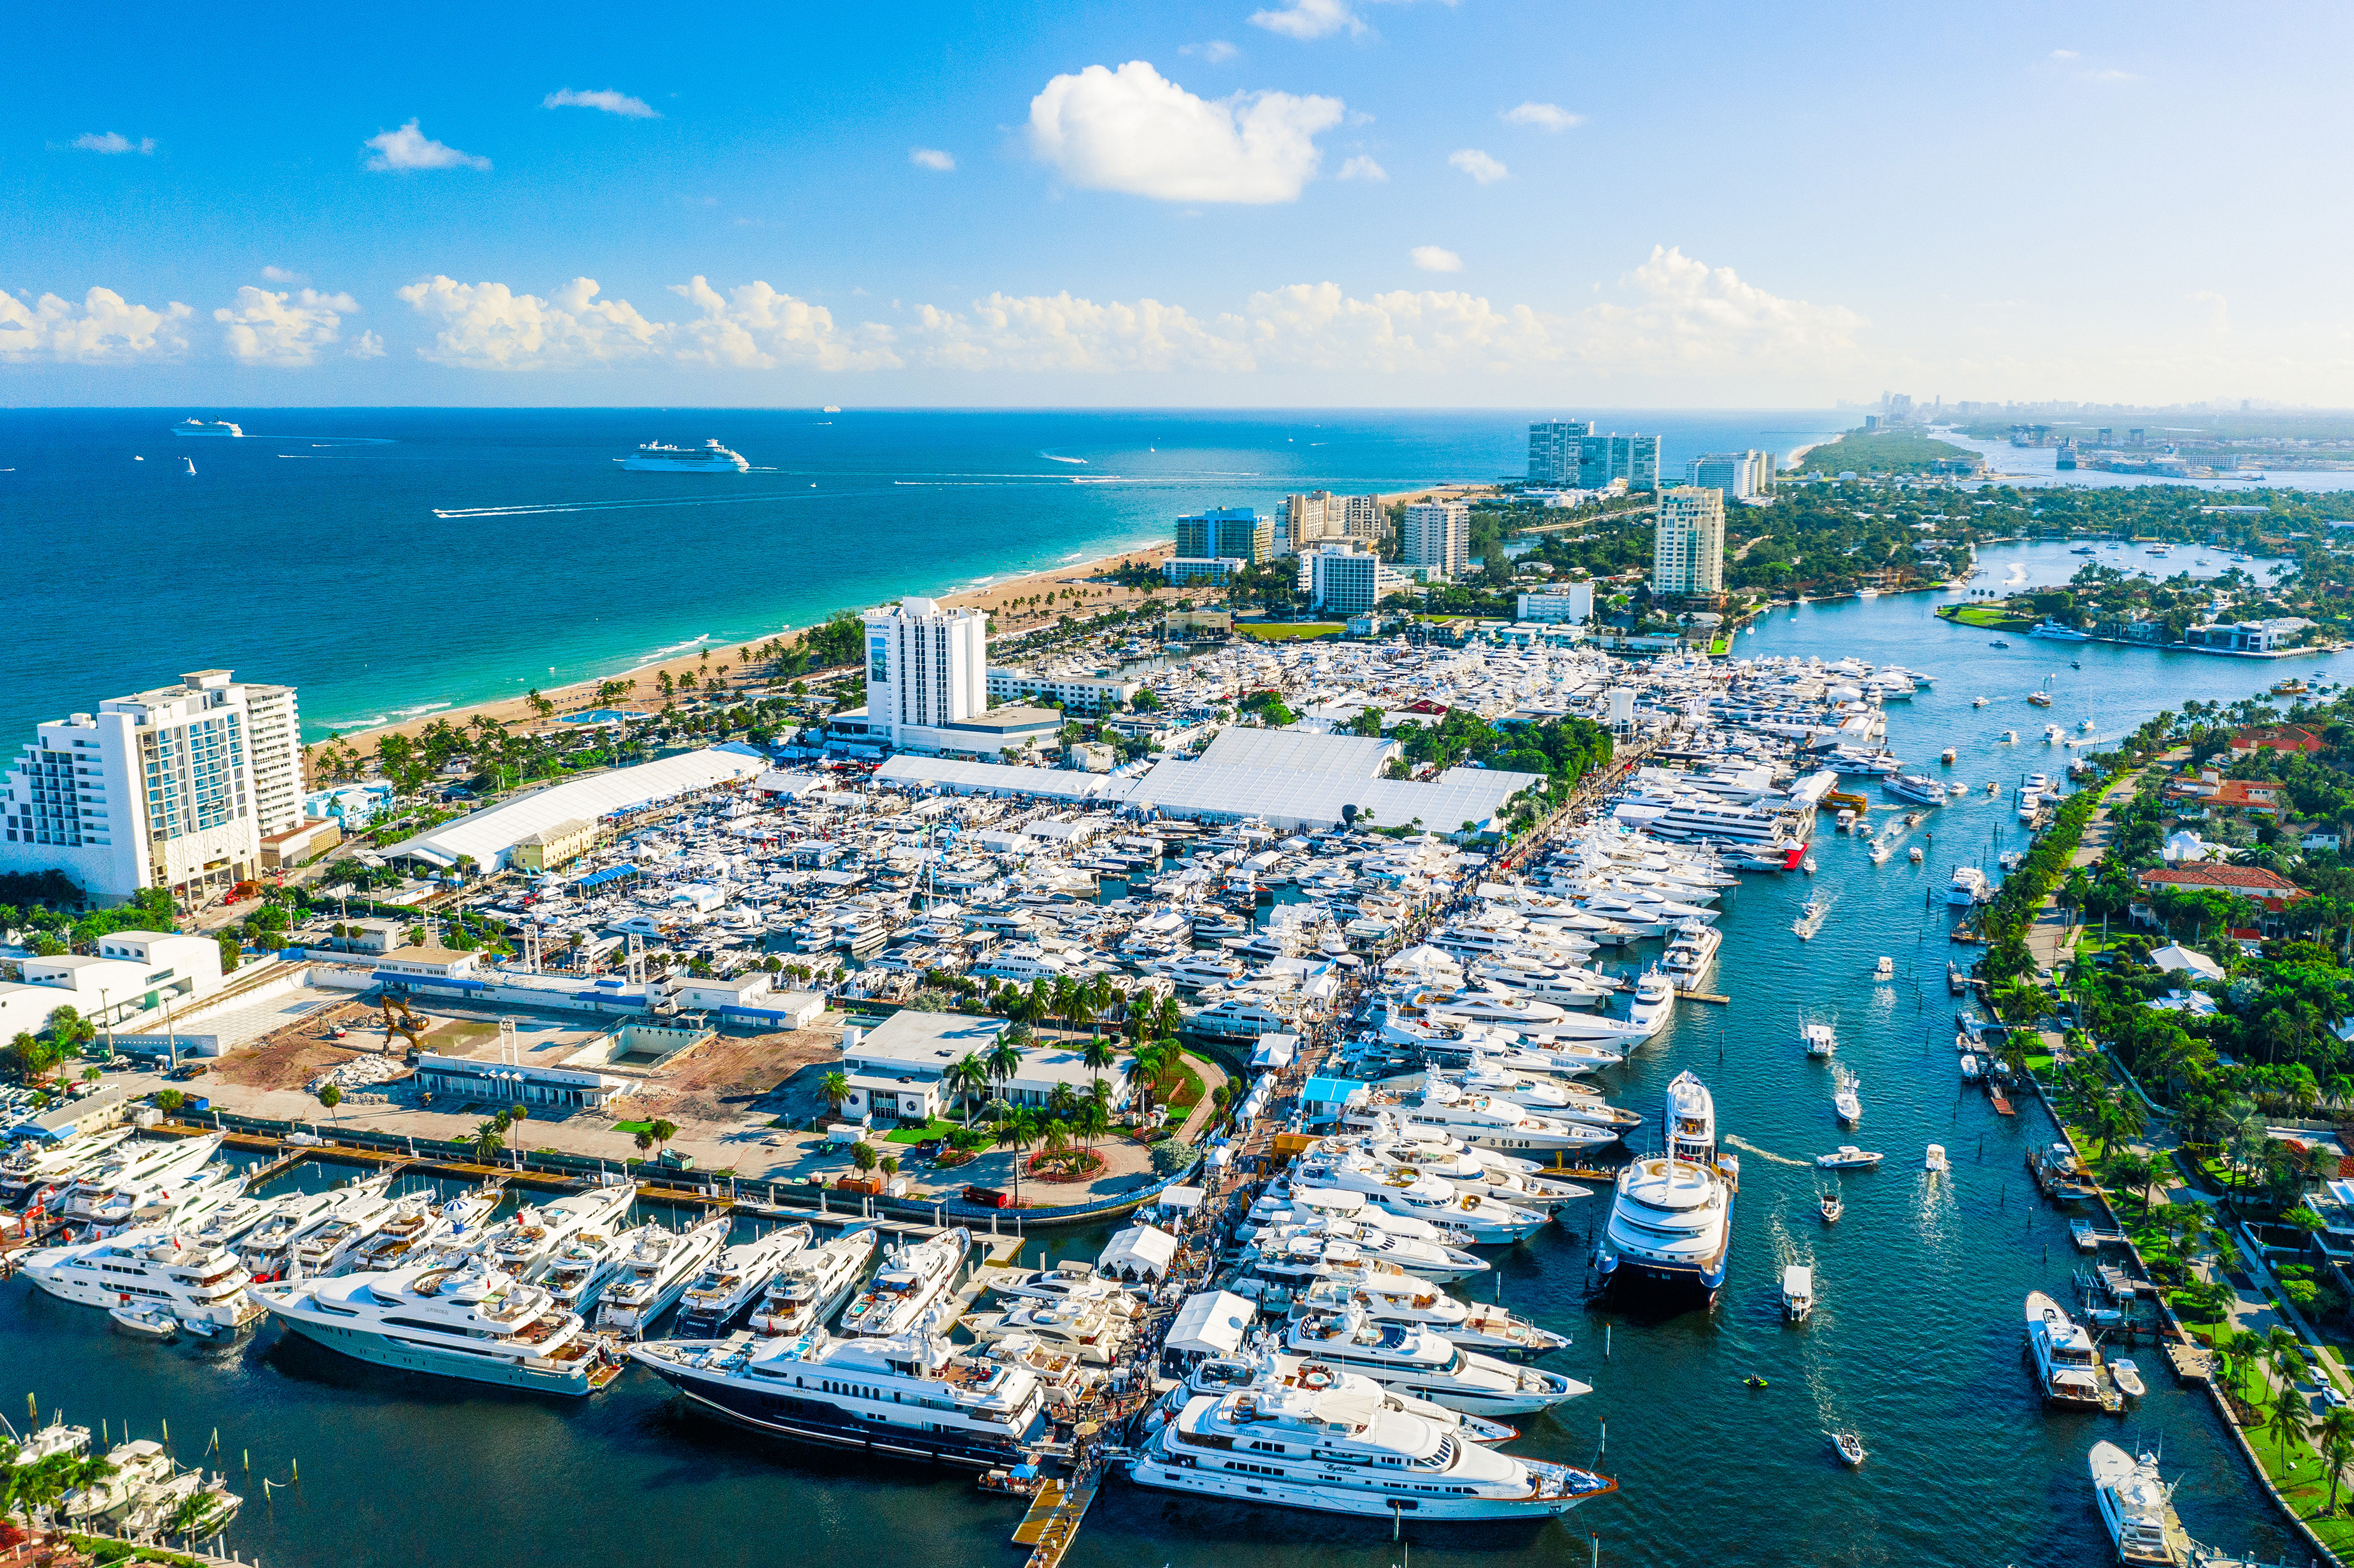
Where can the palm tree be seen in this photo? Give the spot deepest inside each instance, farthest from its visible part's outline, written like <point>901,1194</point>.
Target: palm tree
<point>2249,1346</point>
<point>1146,1066</point>
<point>835,1088</point>
<point>2337,1445</point>
<point>1003,1059</point>
<point>1017,1129</point>
<point>968,1078</point>
<point>1094,1118</point>
<point>1096,1055</point>
<point>489,1139</point>
<point>1062,1101</point>
<point>2289,1416</point>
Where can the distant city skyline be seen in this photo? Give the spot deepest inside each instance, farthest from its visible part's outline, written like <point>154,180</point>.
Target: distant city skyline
<point>1307,203</point>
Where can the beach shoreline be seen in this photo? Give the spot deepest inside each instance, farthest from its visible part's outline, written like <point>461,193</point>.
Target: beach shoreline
<point>999,599</point>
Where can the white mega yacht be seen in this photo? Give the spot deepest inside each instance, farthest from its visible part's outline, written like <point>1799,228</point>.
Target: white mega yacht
<point>912,1276</point>
<point>463,1320</point>
<point>910,1396</point>
<point>1392,1298</point>
<point>32,1169</point>
<point>2138,1506</point>
<point>1336,1452</point>
<point>657,1273</point>
<point>813,1284</point>
<point>523,1244</point>
<point>199,1284</point>
<point>2067,1364</point>
<point>1670,1222</point>
<point>1413,1360</point>
<point>268,1249</point>
<point>735,1279</point>
<point>132,1175</point>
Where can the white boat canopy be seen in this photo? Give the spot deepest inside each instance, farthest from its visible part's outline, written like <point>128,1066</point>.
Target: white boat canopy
<point>1210,1324</point>
<point>1139,1252</point>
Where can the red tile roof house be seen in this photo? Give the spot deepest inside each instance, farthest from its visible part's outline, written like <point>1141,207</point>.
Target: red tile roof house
<point>2270,889</point>
<point>2279,737</point>
<point>2259,797</point>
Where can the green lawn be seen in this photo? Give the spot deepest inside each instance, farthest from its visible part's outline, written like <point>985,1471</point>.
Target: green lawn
<point>935,1128</point>
<point>1988,618</point>
<point>633,1126</point>
<point>1286,631</point>
<point>1187,1092</point>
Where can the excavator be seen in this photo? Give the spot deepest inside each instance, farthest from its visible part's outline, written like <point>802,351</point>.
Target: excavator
<point>398,1019</point>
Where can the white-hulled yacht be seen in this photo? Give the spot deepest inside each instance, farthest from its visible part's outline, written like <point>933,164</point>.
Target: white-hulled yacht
<point>1420,1362</point>
<point>1487,1121</point>
<point>523,1244</point>
<point>196,1283</point>
<point>32,1168</point>
<point>463,1318</point>
<point>659,457</point>
<point>1671,1219</point>
<point>1068,1283</point>
<point>1470,1168</point>
<point>813,1285</point>
<point>1262,1365</point>
<point>735,1279</point>
<point>1404,1189</point>
<point>1391,1298</point>
<point>913,1276</point>
<point>330,1247</point>
<point>405,1237</point>
<point>908,1395</point>
<point>2067,1362</point>
<point>657,1273</point>
<point>577,1276</point>
<point>183,1204</point>
<point>1332,1452</point>
<point>268,1249</point>
<point>1294,1256</point>
<point>1654,1004</point>
<point>132,1176</point>
<point>2138,1506</point>
<point>1096,1332</point>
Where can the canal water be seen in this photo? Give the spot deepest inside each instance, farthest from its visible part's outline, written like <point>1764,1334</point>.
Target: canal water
<point>1915,1341</point>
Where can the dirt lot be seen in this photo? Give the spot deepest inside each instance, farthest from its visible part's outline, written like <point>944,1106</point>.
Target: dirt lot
<point>292,1056</point>
<point>721,1081</point>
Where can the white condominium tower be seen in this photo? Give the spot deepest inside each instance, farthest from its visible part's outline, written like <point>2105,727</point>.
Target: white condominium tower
<point>1435,538</point>
<point>927,672</point>
<point>1741,475</point>
<point>1688,543</point>
<point>175,788</point>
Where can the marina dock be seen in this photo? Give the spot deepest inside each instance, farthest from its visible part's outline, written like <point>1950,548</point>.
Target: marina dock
<point>1052,1521</point>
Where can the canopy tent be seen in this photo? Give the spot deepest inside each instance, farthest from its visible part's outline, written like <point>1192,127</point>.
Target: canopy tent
<point>1211,1323</point>
<point>2175,957</point>
<point>1139,1252</point>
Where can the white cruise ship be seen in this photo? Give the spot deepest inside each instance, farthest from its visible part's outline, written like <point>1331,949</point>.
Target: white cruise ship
<point>910,1396</point>
<point>1416,1360</point>
<point>2138,1506</point>
<point>1671,1219</point>
<point>214,428</point>
<point>912,1276</point>
<point>202,1285</point>
<point>735,1279</point>
<point>657,1273</point>
<point>462,1319</point>
<point>659,457</point>
<point>812,1285</point>
<point>1335,1452</point>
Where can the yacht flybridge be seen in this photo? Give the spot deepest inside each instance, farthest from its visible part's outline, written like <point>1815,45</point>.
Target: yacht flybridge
<point>912,1276</point>
<point>813,1284</point>
<point>1411,1359</point>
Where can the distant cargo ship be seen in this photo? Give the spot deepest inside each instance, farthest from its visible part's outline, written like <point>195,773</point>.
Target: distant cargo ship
<point>656,457</point>
<point>214,428</point>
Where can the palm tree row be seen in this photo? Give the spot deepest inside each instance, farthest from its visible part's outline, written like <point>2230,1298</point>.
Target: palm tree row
<point>38,1487</point>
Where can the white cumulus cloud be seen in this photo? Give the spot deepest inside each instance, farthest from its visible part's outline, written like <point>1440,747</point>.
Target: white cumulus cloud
<point>1217,51</point>
<point>931,158</point>
<point>606,99</point>
<point>1544,116</point>
<point>1060,333</point>
<point>489,326</point>
<point>756,328</point>
<point>1309,18</point>
<point>1478,165</point>
<point>282,329</point>
<point>1684,310</point>
<point>367,346</point>
<point>409,148</point>
<point>105,329</point>
<point>1132,130</point>
<point>285,275</point>
<point>1436,259</point>
<point>114,142</point>
<point>1363,168</point>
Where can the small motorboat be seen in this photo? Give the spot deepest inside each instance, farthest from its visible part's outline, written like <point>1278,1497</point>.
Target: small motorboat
<point>1848,1156</point>
<point>1947,756</point>
<point>1832,1208</point>
<point>2127,1376</point>
<point>143,1322</point>
<point>1969,1067</point>
<point>202,1330</point>
<point>1753,1381</point>
<point>1997,642</point>
<point>1850,1448</point>
<point>1847,1101</point>
<point>1819,1039</point>
<point>1797,1292</point>
<point>1885,969</point>
<point>1808,865</point>
<point>1914,854</point>
<point>1980,702</point>
<point>1936,1158</point>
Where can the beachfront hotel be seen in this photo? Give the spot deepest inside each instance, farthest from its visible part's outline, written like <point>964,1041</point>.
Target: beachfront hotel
<point>176,787</point>
<point>1434,538</point>
<point>927,685</point>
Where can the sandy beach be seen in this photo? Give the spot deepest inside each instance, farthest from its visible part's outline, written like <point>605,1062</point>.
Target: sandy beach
<point>1018,604</point>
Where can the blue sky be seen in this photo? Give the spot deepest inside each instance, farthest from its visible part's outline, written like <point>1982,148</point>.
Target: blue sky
<point>1383,202</point>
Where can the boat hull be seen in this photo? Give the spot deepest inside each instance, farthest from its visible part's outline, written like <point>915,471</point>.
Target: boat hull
<point>405,1356</point>
<point>1271,1492</point>
<point>808,1421</point>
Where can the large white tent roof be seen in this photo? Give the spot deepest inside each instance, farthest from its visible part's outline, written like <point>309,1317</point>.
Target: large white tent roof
<point>489,835</point>
<point>1457,796</point>
<point>1299,751</point>
<point>994,778</point>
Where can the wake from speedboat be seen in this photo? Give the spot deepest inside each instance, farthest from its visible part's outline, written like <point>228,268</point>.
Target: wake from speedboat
<point>1050,457</point>
<point>547,508</point>
<point>1747,1147</point>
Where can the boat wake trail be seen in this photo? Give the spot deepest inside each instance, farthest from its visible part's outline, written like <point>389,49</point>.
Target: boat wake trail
<point>544,508</point>
<point>1747,1147</point>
